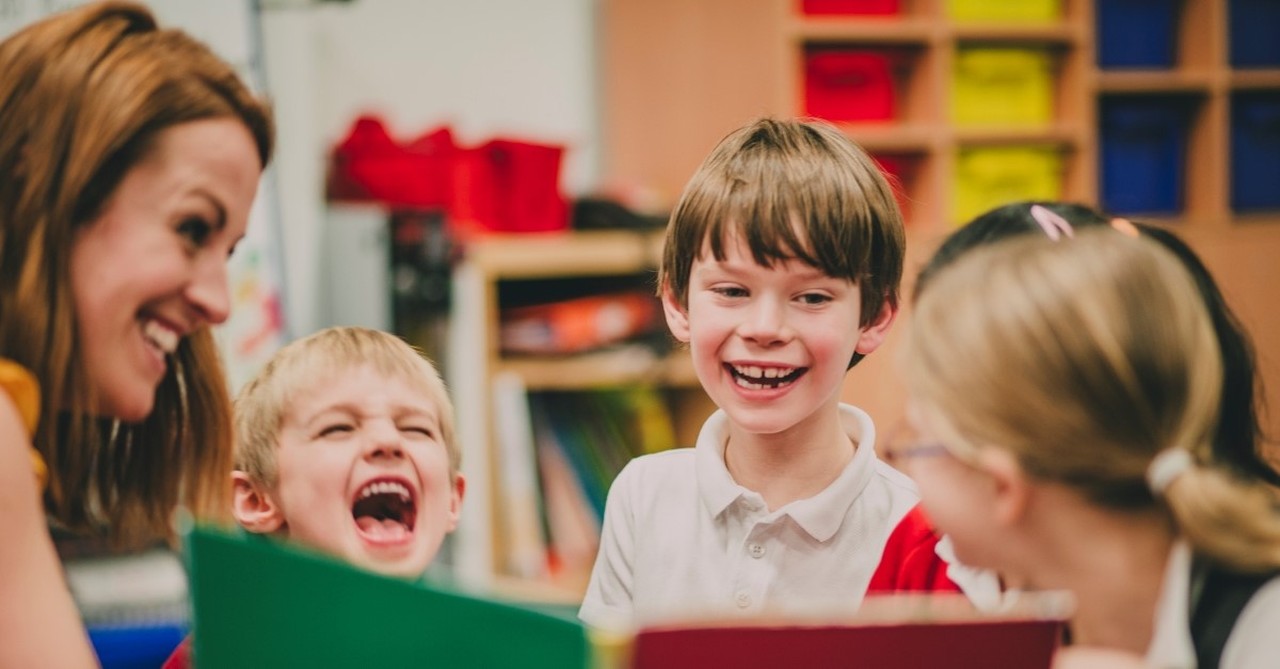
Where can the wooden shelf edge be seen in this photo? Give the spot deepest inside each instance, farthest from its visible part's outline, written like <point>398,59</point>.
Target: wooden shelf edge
<point>1053,33</point>
<point>600,369</point>
<point>867,30</point>
<point>1162,81</point>
<point>567,253</point>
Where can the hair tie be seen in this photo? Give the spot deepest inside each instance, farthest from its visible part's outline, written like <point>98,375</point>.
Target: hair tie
<point>1053,224</point>
<point>1167,466</point>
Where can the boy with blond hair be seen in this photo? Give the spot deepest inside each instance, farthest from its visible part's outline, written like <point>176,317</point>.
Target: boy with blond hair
<point>780,271</point>
<point>345,445</point>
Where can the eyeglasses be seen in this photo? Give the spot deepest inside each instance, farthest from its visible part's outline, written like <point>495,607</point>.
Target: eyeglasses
<point>904,443</point>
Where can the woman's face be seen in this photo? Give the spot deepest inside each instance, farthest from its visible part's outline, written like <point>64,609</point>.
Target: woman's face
<point>152,267</point>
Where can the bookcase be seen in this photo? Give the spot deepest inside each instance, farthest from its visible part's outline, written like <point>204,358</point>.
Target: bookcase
<point>492,388</point>
<point>1163,110</point>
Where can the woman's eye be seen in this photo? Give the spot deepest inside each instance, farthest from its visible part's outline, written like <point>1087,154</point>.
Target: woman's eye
<point>419,430</point>
<point>195,230</point>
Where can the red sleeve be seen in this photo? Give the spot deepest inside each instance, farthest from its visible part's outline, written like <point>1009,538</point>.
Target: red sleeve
<point>909,562</point>
<point>181,657</point>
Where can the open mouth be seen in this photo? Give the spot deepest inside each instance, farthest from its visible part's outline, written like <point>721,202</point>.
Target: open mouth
<point>754,377</point>
<point>385,511</point>
<point>160,337</point>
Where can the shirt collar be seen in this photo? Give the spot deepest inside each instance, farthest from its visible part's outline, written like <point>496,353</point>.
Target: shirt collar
<point>821,515</point>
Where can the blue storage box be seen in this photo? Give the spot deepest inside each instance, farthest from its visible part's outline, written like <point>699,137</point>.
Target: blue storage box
<point>1255,151</point>
<point>1143,149</point>
<point>135,646</point>
<point>1254,28</point>
<point>1137,33</point>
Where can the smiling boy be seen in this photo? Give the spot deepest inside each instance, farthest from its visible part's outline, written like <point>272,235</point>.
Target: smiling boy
<point>780,271</point>
<point>345,445</point>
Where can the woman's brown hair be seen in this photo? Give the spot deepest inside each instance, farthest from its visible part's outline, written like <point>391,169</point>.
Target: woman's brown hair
<point>83,96</point>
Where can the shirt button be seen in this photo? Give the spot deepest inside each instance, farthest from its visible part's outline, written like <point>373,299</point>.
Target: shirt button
<point>757,551</point>
<point>743,600</point>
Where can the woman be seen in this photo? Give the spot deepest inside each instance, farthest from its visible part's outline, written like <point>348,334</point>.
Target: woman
<point>131,157</point>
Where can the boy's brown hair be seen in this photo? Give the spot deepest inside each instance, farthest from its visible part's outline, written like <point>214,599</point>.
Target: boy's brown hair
<point>792,189</point>
<point>262,404</point>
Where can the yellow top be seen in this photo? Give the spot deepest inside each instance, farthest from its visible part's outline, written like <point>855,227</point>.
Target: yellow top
<point>20,385</point>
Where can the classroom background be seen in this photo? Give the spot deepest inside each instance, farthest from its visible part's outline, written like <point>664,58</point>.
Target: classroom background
<point>490,179</point>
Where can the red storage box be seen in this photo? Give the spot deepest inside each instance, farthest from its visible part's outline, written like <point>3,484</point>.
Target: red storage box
<point>509,186</point>
<point>899,170</point>
<point>847,85</point>
<point>827,7</point>
<point>368,165</point>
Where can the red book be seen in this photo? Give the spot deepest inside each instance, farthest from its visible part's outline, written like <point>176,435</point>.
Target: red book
<point>890,632</point>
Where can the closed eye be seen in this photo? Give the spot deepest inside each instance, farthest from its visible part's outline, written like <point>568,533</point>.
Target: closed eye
<point>419,430</point>
<point>336,430</point>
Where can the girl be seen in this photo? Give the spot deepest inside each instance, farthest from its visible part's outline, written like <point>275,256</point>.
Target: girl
<point>1066,396</point>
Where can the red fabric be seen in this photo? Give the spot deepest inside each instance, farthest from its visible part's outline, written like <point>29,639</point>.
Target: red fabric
<point>181,657</point>
<point>909,562</point>
<point>369,165</point>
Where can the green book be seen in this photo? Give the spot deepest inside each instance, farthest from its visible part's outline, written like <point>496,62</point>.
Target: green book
<point>257,602</point>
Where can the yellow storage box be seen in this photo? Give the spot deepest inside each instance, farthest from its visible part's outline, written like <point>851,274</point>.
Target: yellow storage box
<point>1002,86</point>
<point>989,177</point>
<point>1016,11</point>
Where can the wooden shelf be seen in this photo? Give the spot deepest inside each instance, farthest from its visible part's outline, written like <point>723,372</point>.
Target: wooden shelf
<point>527,256</point>
<point>1167,81</point>
<point>1058,135</point>
<point>631,365</point>
<point>1055,33</point>
<point>1255,79</point>
<point>888,31</point>
<point>893,137</point>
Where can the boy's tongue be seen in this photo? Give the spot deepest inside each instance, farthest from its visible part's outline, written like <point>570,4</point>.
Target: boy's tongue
<point>382,530</point>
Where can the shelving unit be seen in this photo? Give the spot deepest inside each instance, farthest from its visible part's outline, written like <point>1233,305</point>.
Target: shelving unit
<point>667,101</point>
<point>489,266</point>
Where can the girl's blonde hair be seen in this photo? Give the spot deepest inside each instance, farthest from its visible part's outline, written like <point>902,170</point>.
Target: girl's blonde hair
<point>83,96</point>
<point>322,357</point>
<point>1087,358</point>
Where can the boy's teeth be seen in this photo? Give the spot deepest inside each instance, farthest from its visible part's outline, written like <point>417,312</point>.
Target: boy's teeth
<point>385,487</point>
<point>160,336</point>
<point>771,373</point>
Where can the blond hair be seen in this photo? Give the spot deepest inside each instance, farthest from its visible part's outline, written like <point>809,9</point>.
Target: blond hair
<point>83,96</point>
<point>792,189</point>
<point>1086,359</point>
<point>262,404</point>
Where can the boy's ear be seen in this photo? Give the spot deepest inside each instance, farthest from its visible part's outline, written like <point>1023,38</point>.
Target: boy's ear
<point>455,500</point>
<point>677,318</point>
<point>1011,491</point>
<point>874,333</point>
<point>253,506</point>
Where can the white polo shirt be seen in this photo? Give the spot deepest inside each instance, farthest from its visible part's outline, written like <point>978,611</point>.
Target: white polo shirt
<point>681,539</point>
<point>1254,642</point>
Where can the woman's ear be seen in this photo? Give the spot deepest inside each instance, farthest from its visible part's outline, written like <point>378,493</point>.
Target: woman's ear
<point>1011,490</point>
<point>677,315</point>
<point>253,506</point>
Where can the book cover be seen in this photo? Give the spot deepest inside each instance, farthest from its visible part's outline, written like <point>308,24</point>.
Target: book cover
<point>888,632</point>
<point>260,603</point>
